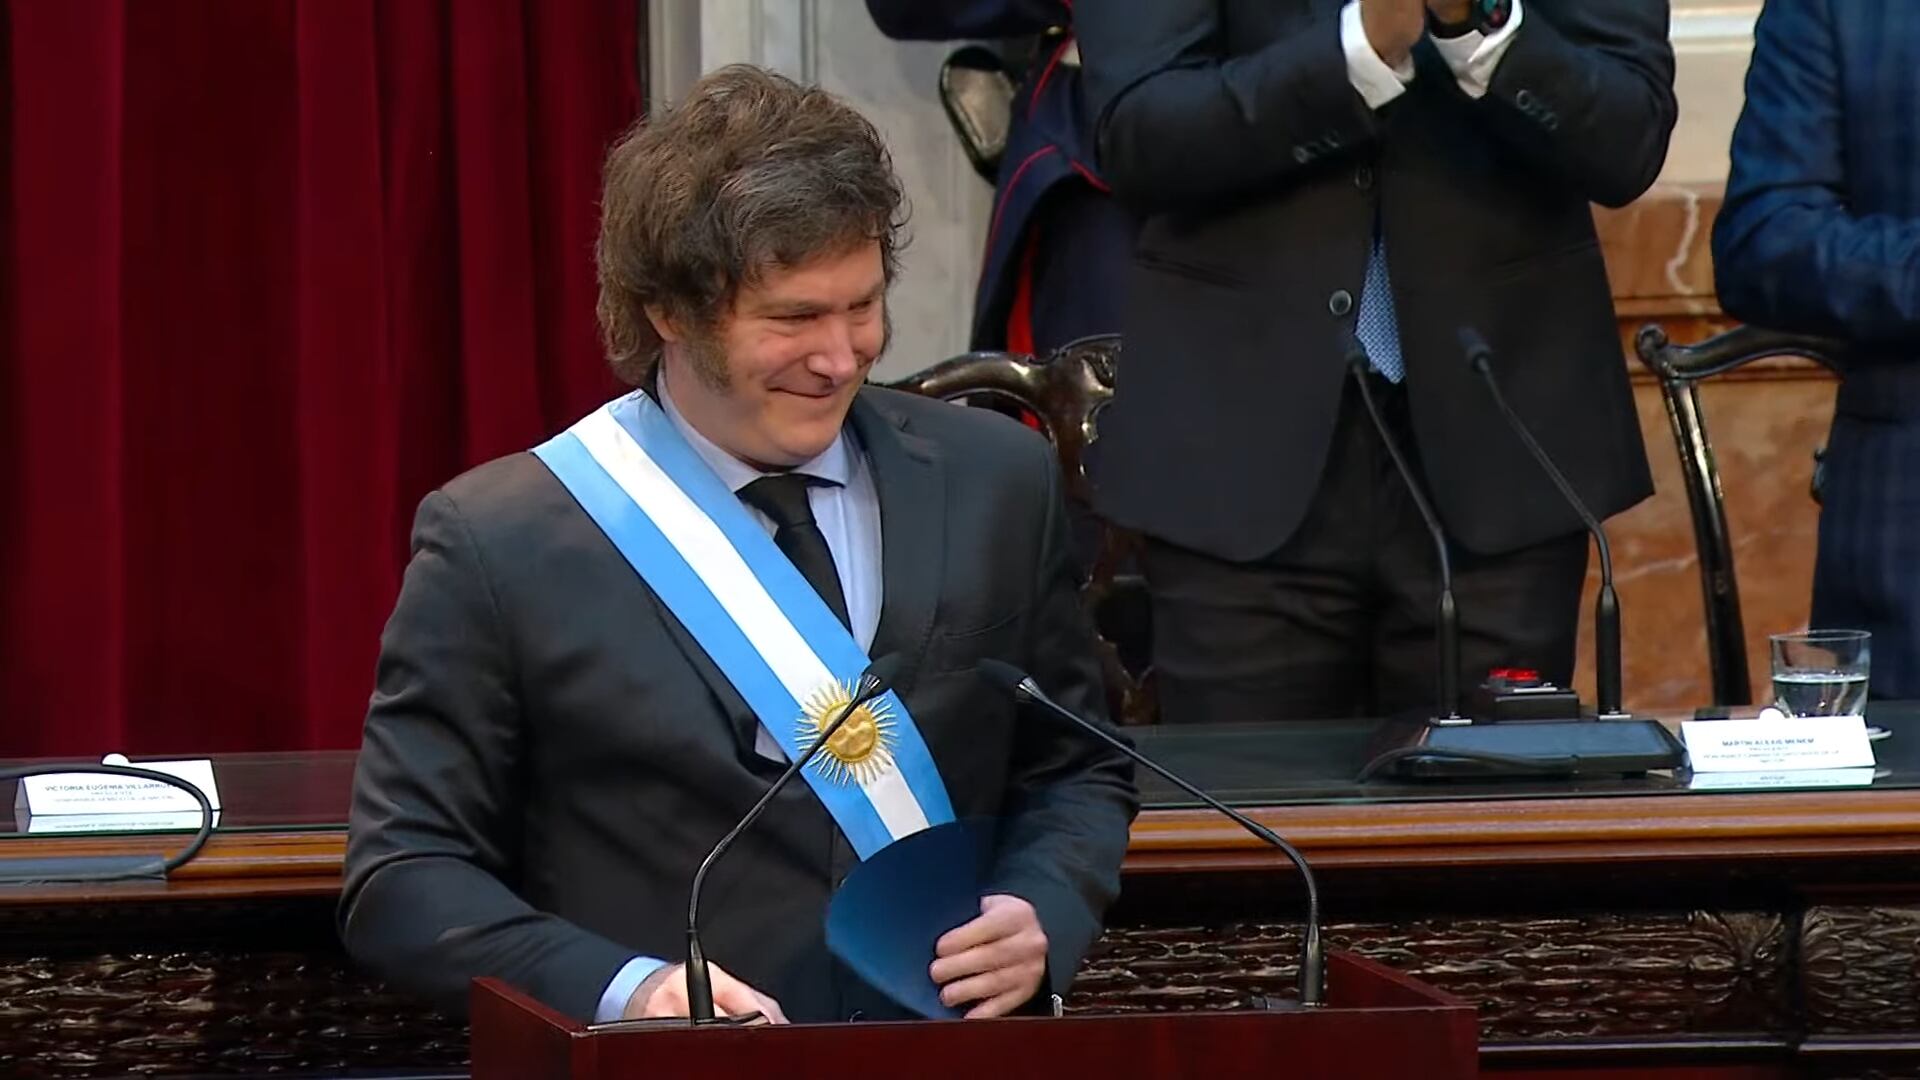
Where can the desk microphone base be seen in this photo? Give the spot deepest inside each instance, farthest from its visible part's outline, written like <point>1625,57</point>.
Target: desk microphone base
<point>1613,746</point>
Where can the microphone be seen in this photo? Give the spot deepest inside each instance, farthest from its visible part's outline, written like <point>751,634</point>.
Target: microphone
<point>1313,978</point>
<point>1446,617</point>
<point>1570,746</point>
<point>1606,609</point>
<point>877,679</point>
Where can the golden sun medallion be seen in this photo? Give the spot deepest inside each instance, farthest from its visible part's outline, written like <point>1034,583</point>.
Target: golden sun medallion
<point>862,750</point>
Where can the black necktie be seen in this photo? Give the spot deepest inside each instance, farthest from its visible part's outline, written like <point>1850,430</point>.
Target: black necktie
<point>784,499</point>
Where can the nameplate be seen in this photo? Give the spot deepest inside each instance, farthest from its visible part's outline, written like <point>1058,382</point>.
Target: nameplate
<point>57,794</point>
<point>171,821</point>
<point>1781,780</point>
<point>1775,743</point>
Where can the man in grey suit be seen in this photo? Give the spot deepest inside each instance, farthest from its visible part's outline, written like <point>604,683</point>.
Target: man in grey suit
<point>605,650</point>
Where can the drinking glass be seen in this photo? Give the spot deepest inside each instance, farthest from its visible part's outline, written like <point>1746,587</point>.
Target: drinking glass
<point>1821,672</point>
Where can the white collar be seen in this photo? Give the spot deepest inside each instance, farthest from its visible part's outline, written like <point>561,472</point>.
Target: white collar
<point>834,464</point>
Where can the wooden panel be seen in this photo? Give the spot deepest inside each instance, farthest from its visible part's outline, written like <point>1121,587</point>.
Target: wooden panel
<point>1818,826</point>
<point>1623,830</point>
<point>1385,1026</point>
<point>515,1036</point>
<point>304,863</point>
<point>1341,836</point>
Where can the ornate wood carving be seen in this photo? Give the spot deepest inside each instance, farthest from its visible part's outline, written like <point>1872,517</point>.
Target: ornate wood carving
<point>115,989</point>
<point>262,983</point>
<point>208,1011</point>
<point>1544,977</point>
<point>1860,970</point>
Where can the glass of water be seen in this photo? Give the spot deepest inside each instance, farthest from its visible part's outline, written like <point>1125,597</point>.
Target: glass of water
<point>1821,672</point>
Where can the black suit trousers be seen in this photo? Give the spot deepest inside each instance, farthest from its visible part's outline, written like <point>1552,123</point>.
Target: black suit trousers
<point>1340,621</point>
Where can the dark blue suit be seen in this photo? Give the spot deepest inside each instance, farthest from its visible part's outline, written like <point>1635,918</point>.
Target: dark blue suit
<point>1050,205</point>
<point>1821,234</point>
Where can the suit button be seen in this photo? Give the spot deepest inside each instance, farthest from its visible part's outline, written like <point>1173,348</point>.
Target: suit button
<point>1302,155</point>
<point>1524,99</point>
<point>1340,302</point>
<point>1363,178</point>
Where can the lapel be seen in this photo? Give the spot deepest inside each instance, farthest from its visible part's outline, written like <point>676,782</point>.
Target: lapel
<point>741,718</point>
<point>909,474</point>
<point>910,480</point>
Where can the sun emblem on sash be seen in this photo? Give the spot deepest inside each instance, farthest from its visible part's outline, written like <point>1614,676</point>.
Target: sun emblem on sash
<point>862,750</point>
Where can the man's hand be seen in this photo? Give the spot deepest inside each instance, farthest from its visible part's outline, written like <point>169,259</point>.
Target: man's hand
<point>1450,12</point>
<point>1394,26</point>
<point>664,993</point>
<point>997,959</point>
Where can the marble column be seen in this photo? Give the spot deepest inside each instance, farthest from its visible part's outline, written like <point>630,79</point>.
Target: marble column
<point>1712,40</point>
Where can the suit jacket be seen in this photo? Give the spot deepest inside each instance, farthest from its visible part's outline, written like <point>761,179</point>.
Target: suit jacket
<point>1820,232</point>
<point>1232,126</point>
<point>548,754</point>
<point>1049,149</point>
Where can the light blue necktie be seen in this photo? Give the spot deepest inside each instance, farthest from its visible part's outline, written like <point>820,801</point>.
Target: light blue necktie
<point>1377,327</point>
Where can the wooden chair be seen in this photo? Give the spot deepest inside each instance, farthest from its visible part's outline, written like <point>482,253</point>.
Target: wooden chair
<point>1063,393</point>
<point>1680,369</point>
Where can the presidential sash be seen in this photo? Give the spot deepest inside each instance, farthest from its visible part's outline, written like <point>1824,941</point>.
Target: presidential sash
<point>770,633</point>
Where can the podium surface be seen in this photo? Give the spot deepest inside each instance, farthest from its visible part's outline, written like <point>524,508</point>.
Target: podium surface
<point>1377,1022</point>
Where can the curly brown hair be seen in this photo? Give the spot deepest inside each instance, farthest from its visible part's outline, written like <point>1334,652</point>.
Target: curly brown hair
<point>751,172</point>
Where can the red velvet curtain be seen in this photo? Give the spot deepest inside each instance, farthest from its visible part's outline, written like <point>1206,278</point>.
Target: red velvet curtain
<point>271,270</point>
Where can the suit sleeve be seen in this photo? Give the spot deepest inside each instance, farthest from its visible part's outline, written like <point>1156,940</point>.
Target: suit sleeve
<point>1178,124</point>
<point>948,20</point>
<point>1585,90</point>
<point>1788,250</point>
<point>433,841</point>
<point>1069,800</point>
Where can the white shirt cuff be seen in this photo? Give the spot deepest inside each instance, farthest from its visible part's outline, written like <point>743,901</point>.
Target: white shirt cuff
<point>1377,81</point>
<point>1474,55</point>
<point>613,1000</point>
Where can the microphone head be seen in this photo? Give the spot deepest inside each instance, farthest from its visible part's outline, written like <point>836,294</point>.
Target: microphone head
<point>1003,675</point>
<point>1479,356</point>
<point>1353,351</point>
<point>880,674</point>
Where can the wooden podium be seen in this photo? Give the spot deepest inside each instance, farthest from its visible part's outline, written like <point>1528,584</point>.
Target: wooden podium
<point>1377,1022</point>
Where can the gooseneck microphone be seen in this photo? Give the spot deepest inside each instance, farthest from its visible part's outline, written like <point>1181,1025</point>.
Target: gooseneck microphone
<point>877,679</point>
<point>1446,617</point>
<point>1313,977</point>
<point>1569,746</point>
<point>1606,609</point>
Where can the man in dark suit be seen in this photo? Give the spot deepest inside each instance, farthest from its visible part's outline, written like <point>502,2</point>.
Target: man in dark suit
<point>559,733</point>
<point>1820,234</point>
<point>1057,242</point>
<point>1309,170</point>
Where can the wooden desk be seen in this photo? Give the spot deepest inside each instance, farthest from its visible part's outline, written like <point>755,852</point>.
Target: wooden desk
<point>1630,927</point>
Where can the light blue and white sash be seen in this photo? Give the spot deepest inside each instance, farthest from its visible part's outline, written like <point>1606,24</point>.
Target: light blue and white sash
<point>722,576</point>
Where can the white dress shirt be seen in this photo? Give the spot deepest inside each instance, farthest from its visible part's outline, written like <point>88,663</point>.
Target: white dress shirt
<point>1473,56</point>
